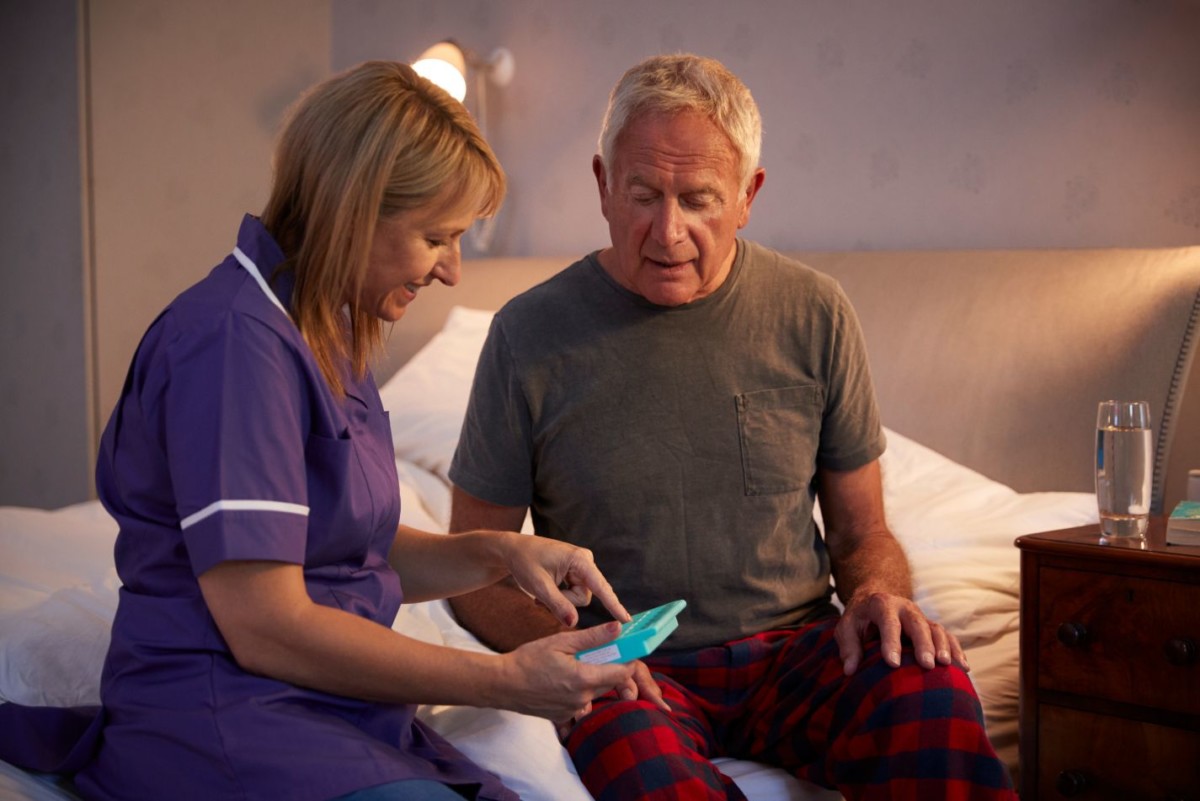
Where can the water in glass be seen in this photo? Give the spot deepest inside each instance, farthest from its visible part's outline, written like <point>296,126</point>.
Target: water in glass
<point>1124,469</point>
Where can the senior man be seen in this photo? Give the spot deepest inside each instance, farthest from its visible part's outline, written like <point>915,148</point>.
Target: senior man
<point>676,402</point>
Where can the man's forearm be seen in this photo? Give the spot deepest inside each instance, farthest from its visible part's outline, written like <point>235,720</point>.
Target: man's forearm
<point>863,552</point>
<point>877,563</point>
<point>503,616</point>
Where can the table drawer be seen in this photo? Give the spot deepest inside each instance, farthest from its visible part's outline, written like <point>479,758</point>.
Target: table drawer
<point>1088,756</point>
<point>1120,638</point>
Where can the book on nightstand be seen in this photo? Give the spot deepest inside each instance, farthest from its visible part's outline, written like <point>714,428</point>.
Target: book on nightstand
<point>1183,526</point>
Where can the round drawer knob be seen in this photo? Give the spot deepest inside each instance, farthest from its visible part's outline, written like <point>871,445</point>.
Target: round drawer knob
<point>1180,651</point>
<point>1071,782</point>
<point>1073,635</point>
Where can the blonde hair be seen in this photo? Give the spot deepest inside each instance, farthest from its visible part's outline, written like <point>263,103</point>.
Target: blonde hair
<point>363,145</point>
<point>682,82</point>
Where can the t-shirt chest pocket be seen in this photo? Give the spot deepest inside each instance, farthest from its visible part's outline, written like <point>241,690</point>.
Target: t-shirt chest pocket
<point>779,430</point>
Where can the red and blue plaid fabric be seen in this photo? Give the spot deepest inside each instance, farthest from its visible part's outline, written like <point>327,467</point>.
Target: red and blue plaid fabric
<point>781,698</point>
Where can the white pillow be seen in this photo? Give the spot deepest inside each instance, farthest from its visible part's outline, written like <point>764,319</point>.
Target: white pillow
<point>427,397</point>
<point>58,595</point>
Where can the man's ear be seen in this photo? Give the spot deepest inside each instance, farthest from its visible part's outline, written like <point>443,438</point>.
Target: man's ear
<point>755,184</point>
<point>601,183</point>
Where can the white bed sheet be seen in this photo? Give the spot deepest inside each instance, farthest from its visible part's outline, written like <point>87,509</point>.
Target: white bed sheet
<point>17,785</point>
<point>58,586</point>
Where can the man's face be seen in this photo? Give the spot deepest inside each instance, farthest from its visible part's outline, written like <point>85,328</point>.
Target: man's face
<point>674,202</point>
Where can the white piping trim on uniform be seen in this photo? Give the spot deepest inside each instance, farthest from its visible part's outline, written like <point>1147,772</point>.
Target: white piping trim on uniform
<point>243,506</point>
<point>252,268</point>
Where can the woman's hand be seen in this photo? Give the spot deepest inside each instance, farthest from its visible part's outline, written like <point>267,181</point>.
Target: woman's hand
<point>640,684</point>
<point>548,681</point>
<point>561,576</point>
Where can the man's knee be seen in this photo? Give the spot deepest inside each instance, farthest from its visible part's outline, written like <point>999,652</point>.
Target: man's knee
<point>612,720</point>
<point>628,749</point>
<point>881,693</point>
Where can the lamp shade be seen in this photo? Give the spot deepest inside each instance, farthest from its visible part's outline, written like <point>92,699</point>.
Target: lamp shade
<point>446,65</point>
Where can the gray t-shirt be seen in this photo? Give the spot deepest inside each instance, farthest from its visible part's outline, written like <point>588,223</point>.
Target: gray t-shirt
<point>679,444</point>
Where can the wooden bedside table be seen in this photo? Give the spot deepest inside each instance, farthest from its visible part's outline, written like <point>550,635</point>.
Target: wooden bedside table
<point>1110,667</point>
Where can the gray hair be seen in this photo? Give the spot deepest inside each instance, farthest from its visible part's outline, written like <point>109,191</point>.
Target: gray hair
<point>685,82</point>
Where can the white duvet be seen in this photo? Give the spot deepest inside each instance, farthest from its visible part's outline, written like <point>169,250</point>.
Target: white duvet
<point>58,586</point>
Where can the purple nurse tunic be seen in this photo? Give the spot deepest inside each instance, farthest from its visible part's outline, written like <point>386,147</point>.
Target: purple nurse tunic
<point>227,444</point>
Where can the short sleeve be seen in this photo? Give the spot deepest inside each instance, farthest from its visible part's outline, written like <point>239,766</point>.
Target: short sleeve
<point>493,460</point>
<point>851,431</point>
<point>233,419</point>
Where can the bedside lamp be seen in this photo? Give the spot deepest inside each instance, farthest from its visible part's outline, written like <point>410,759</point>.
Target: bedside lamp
<point>446,65</point>
<point>449,65</point>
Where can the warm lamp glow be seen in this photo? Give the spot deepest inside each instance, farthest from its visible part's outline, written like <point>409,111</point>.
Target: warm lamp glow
<point>445,65</point>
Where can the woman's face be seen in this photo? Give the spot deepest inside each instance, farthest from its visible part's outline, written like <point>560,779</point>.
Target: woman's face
<point>411,250</point>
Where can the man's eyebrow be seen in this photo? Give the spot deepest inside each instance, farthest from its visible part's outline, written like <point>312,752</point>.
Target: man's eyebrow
<point>637,182</point>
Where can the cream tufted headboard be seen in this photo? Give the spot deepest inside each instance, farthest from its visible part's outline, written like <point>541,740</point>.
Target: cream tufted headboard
<point>995,358</point>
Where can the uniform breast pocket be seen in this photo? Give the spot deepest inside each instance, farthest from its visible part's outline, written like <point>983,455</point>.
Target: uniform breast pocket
<point>341,507</point>
<point>779,431</point>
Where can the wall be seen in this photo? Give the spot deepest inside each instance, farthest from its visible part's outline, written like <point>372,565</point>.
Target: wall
<point>922,124</point>
<point>136,134</point>
<point>186,101</point>
<point>43,322</point>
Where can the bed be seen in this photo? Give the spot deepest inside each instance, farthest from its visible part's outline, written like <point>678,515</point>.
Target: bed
<point>988,366</point>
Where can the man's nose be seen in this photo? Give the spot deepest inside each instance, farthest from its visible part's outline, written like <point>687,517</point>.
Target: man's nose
<point>669,226</point>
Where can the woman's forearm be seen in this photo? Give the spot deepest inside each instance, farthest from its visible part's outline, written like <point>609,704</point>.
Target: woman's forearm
<point>274,629</point>
<point>434,566</point>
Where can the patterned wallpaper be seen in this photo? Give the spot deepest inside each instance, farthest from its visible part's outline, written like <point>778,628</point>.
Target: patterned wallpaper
<point>914,124</point>
<point>918,124</point>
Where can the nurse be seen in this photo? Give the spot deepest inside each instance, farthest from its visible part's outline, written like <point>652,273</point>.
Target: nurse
<point>250,465</point>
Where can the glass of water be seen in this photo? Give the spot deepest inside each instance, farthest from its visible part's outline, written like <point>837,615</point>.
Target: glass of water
<point>1124,468</point>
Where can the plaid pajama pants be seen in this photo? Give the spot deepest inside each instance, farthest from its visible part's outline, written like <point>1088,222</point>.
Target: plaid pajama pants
<point>781,698</point>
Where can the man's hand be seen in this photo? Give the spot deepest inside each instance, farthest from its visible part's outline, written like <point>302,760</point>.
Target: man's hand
<point>873,577</point>
<point>890,617</point>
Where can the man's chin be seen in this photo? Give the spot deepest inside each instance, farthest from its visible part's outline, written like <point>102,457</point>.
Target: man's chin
<point>668,293</point>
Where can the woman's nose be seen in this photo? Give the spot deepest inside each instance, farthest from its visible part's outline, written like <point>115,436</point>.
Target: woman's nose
<point>449,269</point>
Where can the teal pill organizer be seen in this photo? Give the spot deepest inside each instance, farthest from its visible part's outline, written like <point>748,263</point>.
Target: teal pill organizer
<point>639,637</point>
